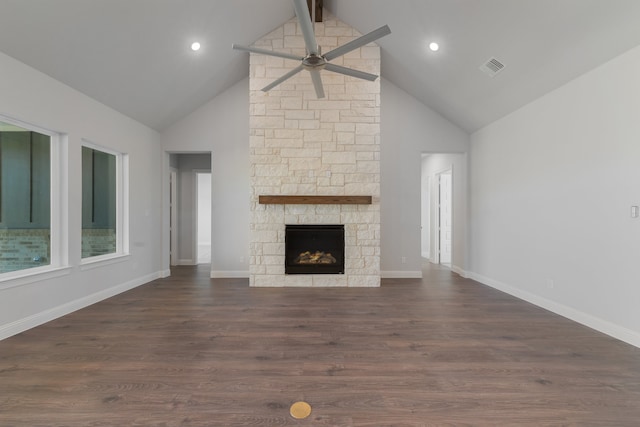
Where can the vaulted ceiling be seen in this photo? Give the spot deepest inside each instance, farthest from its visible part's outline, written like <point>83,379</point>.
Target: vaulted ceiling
<point>134,56</point>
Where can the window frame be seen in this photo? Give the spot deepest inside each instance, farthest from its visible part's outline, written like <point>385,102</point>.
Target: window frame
<point>58,212</point>
<point>122,210</point>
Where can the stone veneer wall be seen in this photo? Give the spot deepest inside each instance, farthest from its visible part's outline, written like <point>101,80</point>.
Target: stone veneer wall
<point>301,145</point>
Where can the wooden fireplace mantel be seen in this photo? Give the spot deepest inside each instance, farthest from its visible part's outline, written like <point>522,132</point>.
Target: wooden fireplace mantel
<point>314,200</point>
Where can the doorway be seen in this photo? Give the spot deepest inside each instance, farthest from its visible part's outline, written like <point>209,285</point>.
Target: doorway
<point>190,214</point>
<point>443,193</point>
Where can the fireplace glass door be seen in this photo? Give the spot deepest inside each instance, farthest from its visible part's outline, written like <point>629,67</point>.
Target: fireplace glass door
<point>314,249</point>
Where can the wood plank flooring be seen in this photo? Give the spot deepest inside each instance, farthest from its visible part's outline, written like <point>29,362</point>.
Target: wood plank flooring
<point>194,351</point>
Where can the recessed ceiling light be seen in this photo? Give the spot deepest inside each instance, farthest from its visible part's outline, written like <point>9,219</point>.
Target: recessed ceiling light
<point>195,46</point>
<point>434,46</point>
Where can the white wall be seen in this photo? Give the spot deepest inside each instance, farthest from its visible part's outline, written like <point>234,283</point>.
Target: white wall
<point>35,98</point>
<point>221,127</point>
<point>551,190</point>
<point>408,129</point>
<point>431,166</point>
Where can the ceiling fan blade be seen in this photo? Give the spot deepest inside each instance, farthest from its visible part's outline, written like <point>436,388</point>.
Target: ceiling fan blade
<point>317,83</point>
<point>283,78</point>
<point>306,26</point>
<point>266,52</point>
<point>359,42</point>
<point>350,72</point>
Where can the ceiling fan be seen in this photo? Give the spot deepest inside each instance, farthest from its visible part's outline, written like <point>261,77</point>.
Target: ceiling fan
<point>314,61</point>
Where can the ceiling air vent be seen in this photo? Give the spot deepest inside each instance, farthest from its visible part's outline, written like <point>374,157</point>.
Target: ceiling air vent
<point>492,67</point>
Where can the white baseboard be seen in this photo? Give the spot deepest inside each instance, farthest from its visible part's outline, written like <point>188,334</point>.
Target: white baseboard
<point>459,271</point>
<point>38,319</point>
<point>217,274</point>
<point>616,331</point>
<point>187,262</point>
<point>401,274</point>
<point>165,273</point>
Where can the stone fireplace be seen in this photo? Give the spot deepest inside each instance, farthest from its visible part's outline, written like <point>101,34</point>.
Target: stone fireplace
<point>304,146</point>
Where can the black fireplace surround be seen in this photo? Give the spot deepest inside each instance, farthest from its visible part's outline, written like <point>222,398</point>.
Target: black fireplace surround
<point>314,249</point>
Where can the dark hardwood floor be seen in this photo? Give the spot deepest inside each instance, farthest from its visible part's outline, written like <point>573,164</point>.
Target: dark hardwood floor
<point>192,351</point>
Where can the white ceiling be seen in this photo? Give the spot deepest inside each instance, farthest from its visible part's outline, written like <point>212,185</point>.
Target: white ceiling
<point>134,56</point>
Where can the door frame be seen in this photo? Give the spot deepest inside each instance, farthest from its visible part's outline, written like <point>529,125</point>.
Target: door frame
<point>438,227</point>
<point>173,216</point>
<point>458,163</point>
<point>166,219</point>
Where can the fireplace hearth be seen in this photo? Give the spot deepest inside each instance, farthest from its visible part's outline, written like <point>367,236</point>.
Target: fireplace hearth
<point>314,249</point>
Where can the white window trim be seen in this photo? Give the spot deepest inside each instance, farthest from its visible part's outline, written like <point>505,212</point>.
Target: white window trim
<point>102,260</point>
<point>59,220</point>
<point>122,209</point>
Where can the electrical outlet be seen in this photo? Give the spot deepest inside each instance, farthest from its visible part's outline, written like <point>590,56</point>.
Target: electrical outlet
<point>404,259</point>
<point>551,284</point>
<point>241,259</point>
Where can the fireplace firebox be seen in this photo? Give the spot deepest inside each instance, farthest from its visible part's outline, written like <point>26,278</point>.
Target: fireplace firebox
<point>314,249</point>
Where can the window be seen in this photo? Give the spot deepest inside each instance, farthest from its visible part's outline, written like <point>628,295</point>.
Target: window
<point>102,202</point>
<point>28,184</point>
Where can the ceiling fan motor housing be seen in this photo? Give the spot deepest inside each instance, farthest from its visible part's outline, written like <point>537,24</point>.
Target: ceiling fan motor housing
<point>313,61</point>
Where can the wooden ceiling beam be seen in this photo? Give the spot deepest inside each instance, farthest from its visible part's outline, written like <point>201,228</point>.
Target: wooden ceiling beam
<point>318,9</point>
